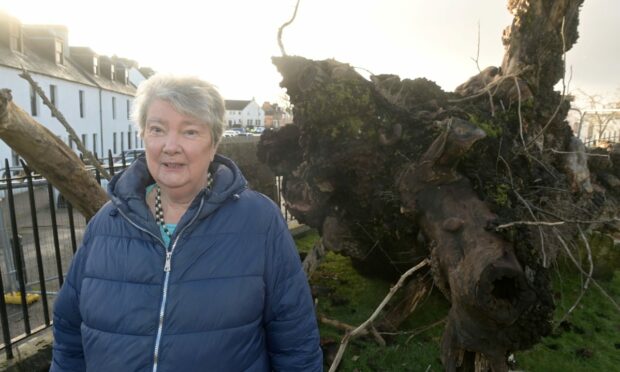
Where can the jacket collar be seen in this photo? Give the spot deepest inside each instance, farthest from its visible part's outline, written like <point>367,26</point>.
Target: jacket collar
<point>127,191</point>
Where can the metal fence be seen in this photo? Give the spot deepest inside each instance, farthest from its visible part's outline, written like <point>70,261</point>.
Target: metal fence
<point>39,234</point>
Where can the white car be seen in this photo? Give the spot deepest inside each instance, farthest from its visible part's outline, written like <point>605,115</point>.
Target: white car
<point>230,133</point>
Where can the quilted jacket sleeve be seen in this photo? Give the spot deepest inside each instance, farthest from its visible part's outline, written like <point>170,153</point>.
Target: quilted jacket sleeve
<point>67,354</point>
<point>292,332</point>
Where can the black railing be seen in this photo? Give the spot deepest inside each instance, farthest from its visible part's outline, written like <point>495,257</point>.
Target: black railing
<point>39,234</point>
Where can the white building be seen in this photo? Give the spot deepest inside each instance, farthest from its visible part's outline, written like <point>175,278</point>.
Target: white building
<point>244,114</point>
<point>94,93</point>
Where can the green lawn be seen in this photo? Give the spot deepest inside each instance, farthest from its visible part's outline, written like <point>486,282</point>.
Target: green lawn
<point>588,341</point>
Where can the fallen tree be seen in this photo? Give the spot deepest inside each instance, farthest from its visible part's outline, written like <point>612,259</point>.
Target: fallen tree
<point>44,152</point>
<point>488,181</point>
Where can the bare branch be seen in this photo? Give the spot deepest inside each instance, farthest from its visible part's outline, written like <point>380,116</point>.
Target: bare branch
<point>362,328</point>
<point>573,152</point>
<point>25,75</point>
<point>584,288</point>
<point>533,223</point>
<point>282,28</point>
<point>570,255</point>
<point>519,111</point>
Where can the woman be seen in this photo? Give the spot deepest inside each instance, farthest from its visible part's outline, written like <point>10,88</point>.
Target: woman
<point>185,269</point>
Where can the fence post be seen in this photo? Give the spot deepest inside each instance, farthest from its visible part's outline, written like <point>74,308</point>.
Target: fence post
<point>37,242</point>
<point>17,249</point>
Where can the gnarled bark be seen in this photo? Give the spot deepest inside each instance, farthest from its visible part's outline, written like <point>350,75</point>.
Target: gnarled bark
<point>48,155</point>
<point>391,171</point>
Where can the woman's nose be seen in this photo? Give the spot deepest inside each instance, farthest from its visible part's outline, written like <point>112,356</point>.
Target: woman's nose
<point>171,143</point>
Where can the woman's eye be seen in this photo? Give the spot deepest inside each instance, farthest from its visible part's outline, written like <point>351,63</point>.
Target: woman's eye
<point>191,132</point>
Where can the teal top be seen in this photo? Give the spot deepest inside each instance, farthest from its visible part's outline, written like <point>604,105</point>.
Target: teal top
<point>171,226</point>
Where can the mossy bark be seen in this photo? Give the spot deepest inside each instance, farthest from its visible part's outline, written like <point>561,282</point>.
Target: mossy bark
<point>391,171</point>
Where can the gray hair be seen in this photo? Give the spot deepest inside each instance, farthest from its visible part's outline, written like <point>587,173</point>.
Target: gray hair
<point>188,95</point>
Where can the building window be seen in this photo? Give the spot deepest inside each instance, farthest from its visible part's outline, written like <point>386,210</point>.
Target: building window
<point>122,141</point>
<point>53,97</point>
<point>95,143</point>
<point>249,121</point>
<point>34,108</point>
<point>114,142</point>
<point>257,121</point>
<point>70,143</point>
<point>16,38</point>
<point>128,110</point>
<point>81,93</point>
<point>136,138</point>
<point>84,140</point>
<point>112,72</point>
<point>95,65</point>
<point>113,107</point>
<point>60,53</point>
<point>129,139</point>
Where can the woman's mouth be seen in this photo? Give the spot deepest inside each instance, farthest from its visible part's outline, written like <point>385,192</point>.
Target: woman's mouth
<point>172,165</point>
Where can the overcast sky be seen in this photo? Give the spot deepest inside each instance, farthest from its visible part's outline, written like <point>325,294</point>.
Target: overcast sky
<point>230,42</point>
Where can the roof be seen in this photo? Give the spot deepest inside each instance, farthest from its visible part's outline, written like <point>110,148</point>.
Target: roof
<point>39,65</point>
<point>236,105</point>
<point>71,70</point>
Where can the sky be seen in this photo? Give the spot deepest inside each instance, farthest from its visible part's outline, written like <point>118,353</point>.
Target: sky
<point>230,43</point>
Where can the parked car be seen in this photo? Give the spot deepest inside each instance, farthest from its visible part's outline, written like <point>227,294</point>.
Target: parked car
<point>230,133</point>
<point>129,155</point>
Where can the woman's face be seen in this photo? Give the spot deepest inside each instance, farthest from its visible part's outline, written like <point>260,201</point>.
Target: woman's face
<point>178,149</point>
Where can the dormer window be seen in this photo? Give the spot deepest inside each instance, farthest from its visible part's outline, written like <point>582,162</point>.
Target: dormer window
<point>60,53</point>
<point>16,42</point>
<point>112,75</point>
<point>95,65</point>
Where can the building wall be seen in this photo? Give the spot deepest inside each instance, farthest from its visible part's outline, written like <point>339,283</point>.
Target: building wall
<point>97,120</point>
<point>120,123</point>
<point>253,115</point>
<point>67,101</point>
<point>252,112</point>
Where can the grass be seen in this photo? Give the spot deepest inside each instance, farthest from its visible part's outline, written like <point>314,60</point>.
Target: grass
<point>588,341</point>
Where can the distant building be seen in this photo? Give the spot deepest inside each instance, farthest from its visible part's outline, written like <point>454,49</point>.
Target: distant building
<point>244,114</point>
<point>94,93</point>
<point>276,116</point>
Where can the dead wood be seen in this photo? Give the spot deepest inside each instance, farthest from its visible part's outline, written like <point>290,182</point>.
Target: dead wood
<point>393,171</point>
<point>49,156</point>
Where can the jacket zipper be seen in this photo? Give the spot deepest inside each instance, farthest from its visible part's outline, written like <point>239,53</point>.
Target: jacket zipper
<point>167,269</point>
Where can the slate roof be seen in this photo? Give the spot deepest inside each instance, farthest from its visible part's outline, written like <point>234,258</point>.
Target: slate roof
<point>36,64</point>
<point>69,71</point>
<point>236,105</point>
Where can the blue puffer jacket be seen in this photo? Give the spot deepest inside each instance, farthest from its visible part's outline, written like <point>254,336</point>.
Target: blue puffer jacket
<point>235,297</point>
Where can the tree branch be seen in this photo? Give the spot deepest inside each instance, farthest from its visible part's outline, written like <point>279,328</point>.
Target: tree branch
<point>25,75</point>
<point>361,329</point>
<point>282,28</point>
